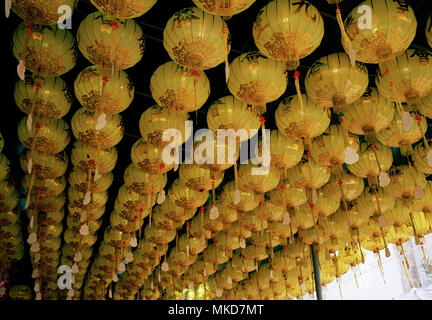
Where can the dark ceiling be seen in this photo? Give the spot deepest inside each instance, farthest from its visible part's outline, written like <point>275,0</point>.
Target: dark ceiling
<point>153,23</point>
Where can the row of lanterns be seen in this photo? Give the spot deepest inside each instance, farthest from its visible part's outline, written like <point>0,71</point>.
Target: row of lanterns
<point>11,239</point>
<point>314,186</point>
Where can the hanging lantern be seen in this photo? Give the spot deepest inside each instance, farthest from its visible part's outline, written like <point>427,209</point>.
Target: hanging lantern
<point>43,98</point>
<point>156,120</point>
<point>41,11</point>
<point>256,80</point>
<point>301,119</point>
<point>130,204</point>
<point>124,9</point>
<point>332,82</point>
<point>406,183</point>
<point>309,175</point>
<point>143,182</point>
<point>269,211</point>
<point>231,113</point>
<point>284,31</point>
<point>422,157</point>
<point>81,181</point>
<point>259,182</point>
<point>45,165</point>
<point>51,137</point>
<point>285,152</point>
<point>112,44</point>
<point>179,89</point>
<point>47,51</point>
<point>396,135</point>
<point>88,129</point>
<point>148,157</point>
<point>424,204</point>
<point>228,152</point>
<point>425,106</point>
<point>103,92</point>
<point>199,179</point>
<point>248,199</point>
<point>347,187</point>
<point>44,188</point>
<point>408,79</point>
<point>391,30</point>
<point>196,39</point>
<point>288,196</point>
<point>374,160</point>
<point>174,212</point>
<point>302,218</point>
<point>4,167</point>
<point>76,199</point>
<point>223,8</point>
<point>330,148</point>
<point>370,114</point>
<point>185,197</point>
<point>86,158</point>
<point>50,204</point>
<point>375,202</point>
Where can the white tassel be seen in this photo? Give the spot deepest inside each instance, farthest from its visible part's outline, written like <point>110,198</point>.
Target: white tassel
<point>87,198</point>
<point>29,122</point>
<point>101,122</point>
<point>214,213</point>
<point>351,155</point>
<point>429,158</point>
<point>84,230</point>
<point>237,196</point>
<point>161,197</point>
<point>384,179</point>
<point>21,70</point>
<point>8,4</point>
<point>407,121</point>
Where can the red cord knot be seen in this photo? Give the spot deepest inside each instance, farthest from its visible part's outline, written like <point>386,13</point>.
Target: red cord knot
<point>340,182</point>
<point>386,72</point>
<point>202,209</point>
<point>409,163</point>
<point>391,83</point>
<point>421,243</point>
<point>260,204</point>
<point>308,154</point>
<point>296,75</point>
<point>105,80</point>
<point>311,205</point>
<point>38,126</point>
<point>418,119</point>
<point>224,30</point>
<point>115,25</point>
<point>35,166</point>
<point>195,73</point>
<point>162,166</point>
<point>262,120</point>
<point>30,29</point>
<point>338,11</point>
<point>38,86</point>
<point>187,224</point>
<point>282,187</point>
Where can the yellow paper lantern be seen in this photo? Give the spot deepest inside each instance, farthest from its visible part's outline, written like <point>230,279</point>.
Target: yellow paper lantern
<point>391,31</point>
<point>103,92</point>
<point>409,79</point>
<point>45,165</point>
<point>148,157</point>
<point>196,39</point>
<point>370,114</point>
<point>421,156</point>
<point>405,182</point>
<point>179,89</point>
<point>221,8</point>
<point>49,50</point>
<point>253,178</point>
<point>51,137</point>
<point>284,31</point>
<point>86,157</point>
<point>110,43</point>
<point>199,179</point>
<point>85,127</point>
<point>331,81</point>
<point>301,120</point>
<point>124,9</point>
<point>185,197</point>
<point>374,158</point>
<point>256,79</point>
<point>44,98</point>
<point>156,120</point>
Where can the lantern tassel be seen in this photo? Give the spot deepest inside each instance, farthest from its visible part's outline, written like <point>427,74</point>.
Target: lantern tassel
<point>351,51</point>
